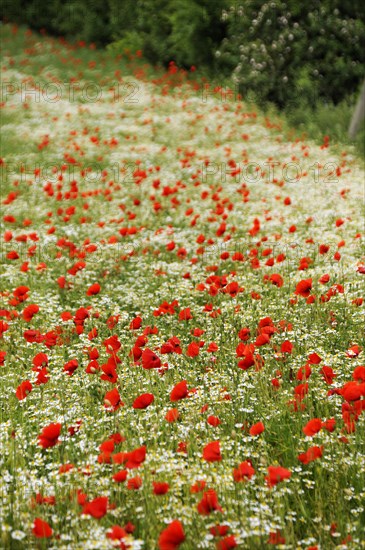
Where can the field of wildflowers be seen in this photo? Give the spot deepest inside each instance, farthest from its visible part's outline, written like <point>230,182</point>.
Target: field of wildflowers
<point>181,316</point>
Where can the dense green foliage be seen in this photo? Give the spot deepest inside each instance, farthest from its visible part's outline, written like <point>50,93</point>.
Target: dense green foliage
<point>290,52</point>
<point>74,19</point>
<point>186,31</point>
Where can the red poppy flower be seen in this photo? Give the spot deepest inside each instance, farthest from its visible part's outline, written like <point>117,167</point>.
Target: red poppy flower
<point>112,400</point>
<point>41,529</point>
<point>304,372</point>
<point>23,389</point>
<point>64,468</point>
<point>4,327</point>
<point>286,347</point>
<point>42,377</point>
<point>62,282</point>
<point>233,289</point>
<point>193,349</point>
<point>311,454</point>
<point>93,289</point>
<point>96,508</point>
<point>324,279</point>
<point>117,438</point>
<point>353,351</point>
<point>150,360</point>
<point>104,457</point>
<point>301,390</point>
<point>93,333</point>
<point>71,366</point>
<point>211,452</point>
<point>40,499</point>
<point>209,503</point>
<point>328,374</point>
<point>40,360</point>
<point>247,362</point>
<point>66,316</point>
<point>275,538</point>
<point>120,476</point>
<point>132,459</point>
<point>143,401</point>
<point>30,311</point>
<point>314,359</point>
<point>262,340</point>
<point>116,533</point>
<point>179,391</point>
<point>312,427</point>
<point>323,248</point>
<point>134,483</point>
<point>107,446</point>
<point>198,486</point>
<point>109,372</point>
<point>172,415</point>
<point>329,425</point>
<point>171,537</point>
<point>112,344</point>
<point>212,348</point>
<point>213,421</point>
<point>243,350</point>
<point>257,428</point>
<point>276,474</point>
<point>141,341</point>
<point>21,292</point>
<point>112,321</point>
<point>227,543</point>
<point>304,288</point>
<point>359,373</point>
<point>243,472</point>
<point>277,280</point>
<point>182,447</point>
<point>219,530</point>
<point>185,314</point>
<point>92,367</point>
<point>244,334</point>
<point>49,435</point>
<point>136,323</point>
<point>171,346</point>
<point>160,487</point>
<point>30,335</point>
<point>352,391</point>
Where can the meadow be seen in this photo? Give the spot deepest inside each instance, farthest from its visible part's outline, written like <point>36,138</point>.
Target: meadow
<point>181,313</point>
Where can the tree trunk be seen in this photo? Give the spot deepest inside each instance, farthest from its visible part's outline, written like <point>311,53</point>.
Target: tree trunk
<point>359,114</point>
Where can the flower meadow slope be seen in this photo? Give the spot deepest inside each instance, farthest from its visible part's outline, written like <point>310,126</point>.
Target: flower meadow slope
<point>181,316</point>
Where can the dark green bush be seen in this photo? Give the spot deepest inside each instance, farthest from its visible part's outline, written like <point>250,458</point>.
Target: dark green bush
<point>197,31</point>
<point>86,20</point>
<point>290,52</point>
<point>185,31</point>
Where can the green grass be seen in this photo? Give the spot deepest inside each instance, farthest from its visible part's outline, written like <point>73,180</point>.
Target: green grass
<point>331,120</point>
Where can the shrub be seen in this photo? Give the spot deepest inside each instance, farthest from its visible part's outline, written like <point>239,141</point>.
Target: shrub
<point>292,52</point>
<point>75,19</point>
<point>186,31</point>
<point>197,31</point>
